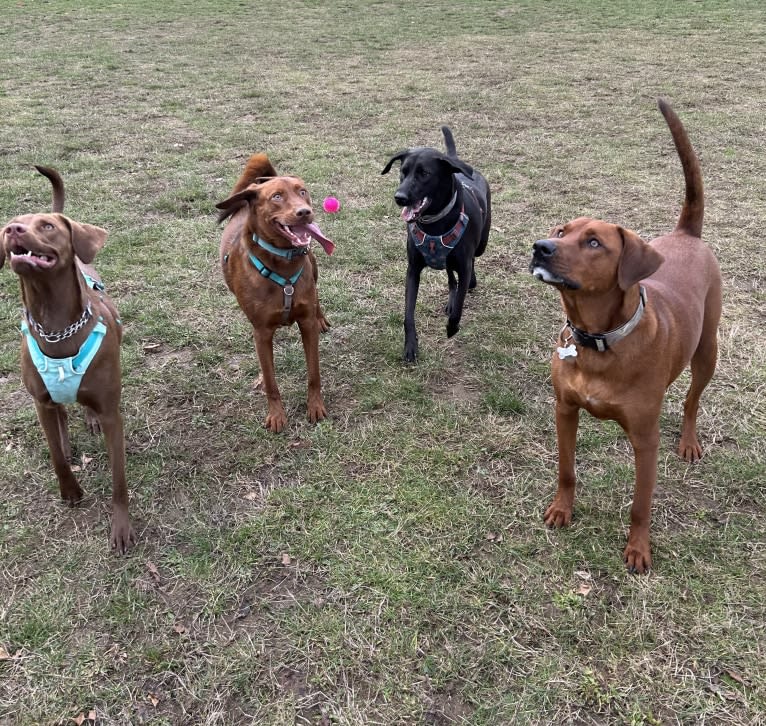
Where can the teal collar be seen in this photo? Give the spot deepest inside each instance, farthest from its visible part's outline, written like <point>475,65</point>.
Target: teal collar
<point>273,276</point>
<point>280,252</point>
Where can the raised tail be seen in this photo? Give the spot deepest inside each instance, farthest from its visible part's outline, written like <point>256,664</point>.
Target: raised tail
<point>693,210</point>
<point>58,186</point>
<point>449,142</point>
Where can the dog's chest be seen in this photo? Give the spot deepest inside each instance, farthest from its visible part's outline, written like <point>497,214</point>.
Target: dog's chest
<point>584,390</point>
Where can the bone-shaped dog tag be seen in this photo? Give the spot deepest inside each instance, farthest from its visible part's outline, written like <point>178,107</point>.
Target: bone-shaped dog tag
<point>569,352</point>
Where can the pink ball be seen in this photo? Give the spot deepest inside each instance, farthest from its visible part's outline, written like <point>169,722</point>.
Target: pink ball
<point>331,205</point>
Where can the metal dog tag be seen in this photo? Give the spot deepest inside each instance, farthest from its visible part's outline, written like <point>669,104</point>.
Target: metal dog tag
<point>569,352</point>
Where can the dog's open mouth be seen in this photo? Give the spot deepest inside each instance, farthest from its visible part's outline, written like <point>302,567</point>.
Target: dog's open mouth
<point>545,275</point>
<point>412,212</point>
<point>300,235</point>
<point>22,256</point>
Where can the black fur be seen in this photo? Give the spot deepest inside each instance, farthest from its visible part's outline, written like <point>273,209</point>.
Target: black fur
<point>429,174</point>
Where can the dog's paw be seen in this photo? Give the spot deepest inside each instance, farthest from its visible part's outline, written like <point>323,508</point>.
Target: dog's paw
<point>559,513</point>
<point>637,556</point>
<point>690,449</point>
<point>71,492</point>
<point>452,328</point>
<point>316,411</point>
<point>410,355</point>
<point>276,421</point>
<point>92,422</point>
<point>324,324</point>
<point>122,537</point>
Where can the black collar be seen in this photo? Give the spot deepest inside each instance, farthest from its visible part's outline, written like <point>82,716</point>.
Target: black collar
<point>604,341</point>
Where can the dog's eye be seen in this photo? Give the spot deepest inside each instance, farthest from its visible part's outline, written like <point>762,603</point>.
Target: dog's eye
<point>48,225</point>
<point>560,233</point>
<point>303,193</point>
<point>277,197</point>
<point>593,242</point>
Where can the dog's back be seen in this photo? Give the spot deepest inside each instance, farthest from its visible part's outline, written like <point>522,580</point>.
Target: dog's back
<point>477,186</point>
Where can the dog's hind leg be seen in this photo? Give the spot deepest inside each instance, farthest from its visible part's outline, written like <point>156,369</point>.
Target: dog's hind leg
<point>53,420</point>
<point>91,421</point>
<point>702,367</point>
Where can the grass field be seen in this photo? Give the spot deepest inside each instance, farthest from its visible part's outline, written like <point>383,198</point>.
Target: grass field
<point>390,565</point>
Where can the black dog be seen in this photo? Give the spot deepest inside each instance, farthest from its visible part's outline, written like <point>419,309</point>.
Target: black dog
<point>446,205</point>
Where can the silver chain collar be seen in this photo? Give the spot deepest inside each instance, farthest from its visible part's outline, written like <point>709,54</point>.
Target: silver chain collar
<point>59,335</point>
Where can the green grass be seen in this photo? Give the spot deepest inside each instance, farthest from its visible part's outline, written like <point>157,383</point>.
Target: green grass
<point>389,565</point>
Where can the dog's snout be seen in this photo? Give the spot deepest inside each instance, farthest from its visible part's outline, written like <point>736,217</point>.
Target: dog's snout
<point>15,228</point>
<point>401,199</point>
<point>544,247</point>
<point>302,212</point>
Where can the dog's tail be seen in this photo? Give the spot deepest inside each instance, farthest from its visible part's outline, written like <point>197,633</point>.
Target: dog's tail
<point>58,186</point>
<point>257,167</point>
<point>690,220</point>
<point>449,142</point>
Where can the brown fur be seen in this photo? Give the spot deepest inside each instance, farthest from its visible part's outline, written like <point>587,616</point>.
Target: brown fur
<point>597,268</point>
<point>56,297</point>
<point>259,198</point>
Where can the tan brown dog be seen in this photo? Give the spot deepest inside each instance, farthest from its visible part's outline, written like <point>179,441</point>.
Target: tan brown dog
<point>638,314</point>
<point>268,265</point>
<point>70,347</point>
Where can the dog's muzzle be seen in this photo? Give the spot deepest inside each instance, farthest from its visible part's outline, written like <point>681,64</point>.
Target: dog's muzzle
<point>543,252</point>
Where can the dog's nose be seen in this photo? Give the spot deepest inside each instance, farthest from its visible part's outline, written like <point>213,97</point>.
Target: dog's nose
<point>544,247</point>
<point>16,228</point>
<point>401,199</point>
<point>303,212</point>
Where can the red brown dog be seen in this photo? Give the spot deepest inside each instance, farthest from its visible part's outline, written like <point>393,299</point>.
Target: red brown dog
<point>637,315</point>
<point>71,342</point>
<point>268,264</point>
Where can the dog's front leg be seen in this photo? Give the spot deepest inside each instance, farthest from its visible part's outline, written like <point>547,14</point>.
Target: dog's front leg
<point>457,291</point>
<point>646,444</point>
<point>53,420</point>
<point>559,511</point>
<point>309,328</point>
<point>276,419</point>
<point>410,298</point>
<point>122,536</point>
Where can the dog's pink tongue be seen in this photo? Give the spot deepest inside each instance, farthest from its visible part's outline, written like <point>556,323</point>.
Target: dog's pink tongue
<point>327,245</point>
<point>408,214</point>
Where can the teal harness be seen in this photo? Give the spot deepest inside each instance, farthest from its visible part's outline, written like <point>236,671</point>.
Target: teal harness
<point>286,283</point>
<point>62,376</point>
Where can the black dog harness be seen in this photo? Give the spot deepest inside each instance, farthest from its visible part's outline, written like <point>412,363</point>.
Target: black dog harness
<point>436,248</point>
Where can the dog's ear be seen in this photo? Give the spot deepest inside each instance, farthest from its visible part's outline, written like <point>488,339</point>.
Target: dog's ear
<point>401,156</point>
<point>87,239</point>
<point>235,202</point>
<point>458,166</point>
<point>638,260</point>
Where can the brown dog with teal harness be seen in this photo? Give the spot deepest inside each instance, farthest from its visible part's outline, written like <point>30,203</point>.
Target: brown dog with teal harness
<point>70,350</point>
<point>268,264</point>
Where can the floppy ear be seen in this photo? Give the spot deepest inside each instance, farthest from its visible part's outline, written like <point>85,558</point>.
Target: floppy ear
<point>638,260</point>
<point>235,202</point>
<point>401,156</point>
<point>458,166</point>
<point>87,239</point>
